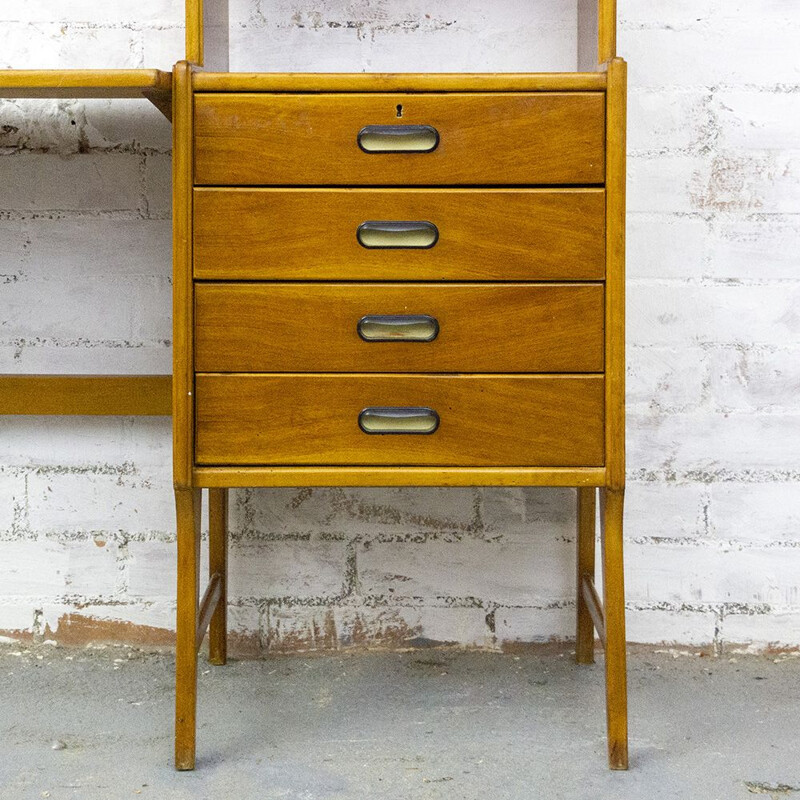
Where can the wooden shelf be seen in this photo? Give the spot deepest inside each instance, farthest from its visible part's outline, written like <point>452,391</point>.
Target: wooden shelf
<point>90,395</point>
<point>151,84</point>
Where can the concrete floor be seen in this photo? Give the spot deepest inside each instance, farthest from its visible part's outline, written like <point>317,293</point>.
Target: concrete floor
<point>426,724</point>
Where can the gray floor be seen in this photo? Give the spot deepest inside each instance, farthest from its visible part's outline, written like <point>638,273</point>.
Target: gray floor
<point>427,724</point>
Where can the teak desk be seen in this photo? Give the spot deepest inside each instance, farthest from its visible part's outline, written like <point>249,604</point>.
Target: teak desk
<point>400,279</point>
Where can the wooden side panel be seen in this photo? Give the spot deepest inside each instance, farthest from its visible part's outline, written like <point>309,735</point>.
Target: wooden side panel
<point>615,270</point>
<point>182,287</point>
<point>484,234</point>
<point>484,420</point>
<point>534,138</point>
<point>106,395</point>
<point>312,327</point>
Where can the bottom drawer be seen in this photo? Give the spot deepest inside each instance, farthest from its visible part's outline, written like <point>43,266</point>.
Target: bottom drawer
<point>448,420</point>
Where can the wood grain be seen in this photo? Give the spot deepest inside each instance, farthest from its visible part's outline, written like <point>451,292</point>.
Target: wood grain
<point>92,395</point>
<point>282,139</point>
<point>615,272</point>
<point>484,234</point>
<point>251,477</point>
<point>611,514</point>
<point>311,327</point>
<point>485,420</point>
<point>182,285</point>
<point>401,82</point>
<point>74,83</point>
<point>187,503</point>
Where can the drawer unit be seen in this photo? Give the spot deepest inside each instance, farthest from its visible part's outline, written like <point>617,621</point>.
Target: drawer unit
<point>412,327</point>
<point>400,280</point>
<point>478,234</point>
<point>318,419</point>
<point>408,139</point>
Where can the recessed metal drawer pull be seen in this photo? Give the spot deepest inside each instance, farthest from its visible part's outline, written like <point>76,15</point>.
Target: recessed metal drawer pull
<point>400,419</point>
<point>390,234</point>
<point>398,328</point>
<point>398,138</point>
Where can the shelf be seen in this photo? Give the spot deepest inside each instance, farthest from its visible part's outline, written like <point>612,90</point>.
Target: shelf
<point>91,395</point>
<point>398,82</point>
<point>152,84</point>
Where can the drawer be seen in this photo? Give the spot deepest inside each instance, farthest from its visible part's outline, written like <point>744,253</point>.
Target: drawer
<point>321,419</point>
<point>413,327</point>
<point>449,234</point>
<point>364,139</point>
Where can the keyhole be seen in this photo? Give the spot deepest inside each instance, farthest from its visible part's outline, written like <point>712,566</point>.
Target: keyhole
<point>399,110</point>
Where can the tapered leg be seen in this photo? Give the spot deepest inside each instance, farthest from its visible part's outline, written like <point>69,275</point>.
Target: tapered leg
<point>612,502</point>
<point>218,563</point>
<point>584,635</point>
<point>187,502</point>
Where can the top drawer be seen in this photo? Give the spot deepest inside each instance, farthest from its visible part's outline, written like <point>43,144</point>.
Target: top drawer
<point>364,139</point>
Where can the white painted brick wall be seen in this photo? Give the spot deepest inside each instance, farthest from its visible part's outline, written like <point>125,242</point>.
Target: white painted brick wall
<point>713,510</point>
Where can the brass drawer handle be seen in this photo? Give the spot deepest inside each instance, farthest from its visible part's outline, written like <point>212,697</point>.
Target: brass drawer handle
<point>391,234</point>
<point>398,328</point>
<point>398,419</point>
<point>398,138</point>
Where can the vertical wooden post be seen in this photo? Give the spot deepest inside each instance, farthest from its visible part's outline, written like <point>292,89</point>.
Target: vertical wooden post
<point>584,634</point>
<point>611,509</point>
<point>218,563</point>
<point>187,505</point>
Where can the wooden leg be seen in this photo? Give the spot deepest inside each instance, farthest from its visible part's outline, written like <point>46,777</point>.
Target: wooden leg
<point>584,635</point>
<point>612,502</point>
<point>218,563</point>
<point>187,502</point>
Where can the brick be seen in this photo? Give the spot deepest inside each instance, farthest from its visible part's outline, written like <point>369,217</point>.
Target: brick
<point>33,568</point>
<point>291,569</point>
<point>755,250</point>
<point>742,443</point>
<point>664,121</point>
<point>51,45</point>
<point>126,124</point>
<point>386,512</point>
<point>152,569</point>
<point>133,11</point>
<point>670,626</point>
<point>86,182</point>
<point>755,379</point>
<point>666,511</point>
<point>755,512</point>
<point>534,624</point>
<point>666,379</point>
<point>690,575</point>
<point>661,184</point>
<point>101,505</point>
<point>665,247</point>
<point>686,313</point>
<point>513,569</point>
<point>758,633</point>
<point>750,120</point>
